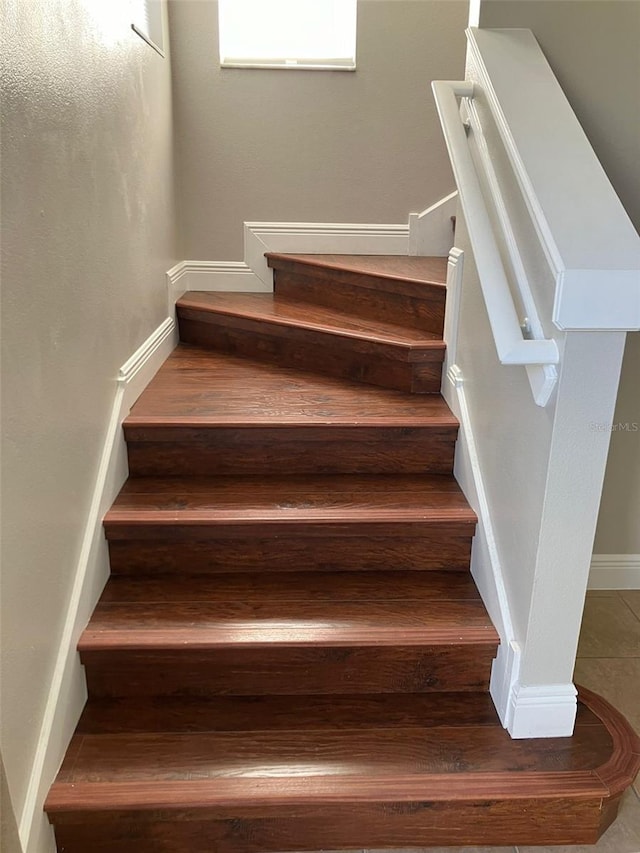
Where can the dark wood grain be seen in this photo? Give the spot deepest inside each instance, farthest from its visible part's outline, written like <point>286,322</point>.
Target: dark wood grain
<point>433,549</point>
<point>411,272</point>
<point>279,316</point>
<point>456,783</point>
<point>206,413</point>
<point>238,624</point>
<point>402,290</point>
<point>381,364</point>
<point>285,713</point>
<point>301,753</point>
<point>180,450</point>
<point>287,670</point>
<point>412,824</point>
<point>432,588</point>
<point>425,313</point>
<point>291,653</point>
<point>382,498</point>
<point>202,387</point>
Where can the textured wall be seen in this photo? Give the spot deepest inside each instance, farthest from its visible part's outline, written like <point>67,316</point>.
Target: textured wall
<point>88,233</point>
<point>311,146</point>
<point>594,50</point>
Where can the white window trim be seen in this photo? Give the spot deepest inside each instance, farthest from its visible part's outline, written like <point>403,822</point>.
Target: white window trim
<point>144,15</point>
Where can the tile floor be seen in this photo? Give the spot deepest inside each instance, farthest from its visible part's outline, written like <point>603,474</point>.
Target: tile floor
<point>609,663</point>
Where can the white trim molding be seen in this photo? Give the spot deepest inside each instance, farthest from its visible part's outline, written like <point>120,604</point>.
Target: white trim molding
<point>542,710</point>
<point>525,711</point>
<point>67,692</point>
<point>211,276</point>
<point>615,571</point>
<point>486,565</point>
<point>319,238</point>
<point>427,233</point>
<point>455,269</point>
<point>431,232</point>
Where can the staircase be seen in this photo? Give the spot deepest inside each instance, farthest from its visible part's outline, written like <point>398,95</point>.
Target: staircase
<point>290,653</point>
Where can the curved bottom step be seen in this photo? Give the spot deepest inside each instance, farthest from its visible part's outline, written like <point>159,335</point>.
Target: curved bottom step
<point>339,782</point>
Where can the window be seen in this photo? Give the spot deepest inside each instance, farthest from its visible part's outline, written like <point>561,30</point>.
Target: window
<point>148,22</point>
<point>310,34</point>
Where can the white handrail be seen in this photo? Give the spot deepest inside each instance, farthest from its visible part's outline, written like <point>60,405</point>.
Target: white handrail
<point>511,347</point>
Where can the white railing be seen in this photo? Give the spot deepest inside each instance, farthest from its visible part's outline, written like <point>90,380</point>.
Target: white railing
<point>507,328</point>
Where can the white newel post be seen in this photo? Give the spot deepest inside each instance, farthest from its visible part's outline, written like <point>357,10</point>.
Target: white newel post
<point>542,700</point>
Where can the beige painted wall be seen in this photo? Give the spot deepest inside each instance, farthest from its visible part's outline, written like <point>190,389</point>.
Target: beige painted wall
<point>311,146</point>
<point>88,232</point>
<point>593,47</point>
<point>9,841</point>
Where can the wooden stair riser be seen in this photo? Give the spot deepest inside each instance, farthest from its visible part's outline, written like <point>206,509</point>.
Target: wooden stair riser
<point>360,360</point>
<point>145,552</point>
<point>287,671</point>
<point>333,713</point>
<point>190,451</point>
<point>418,306</point>
<point>351,825</point>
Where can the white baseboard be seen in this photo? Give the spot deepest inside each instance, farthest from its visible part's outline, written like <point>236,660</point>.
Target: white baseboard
<point>426,233</point>
<point>485,559</point>
<point>542,710</point>
<point>211,275</point>
<point>320,238</point>
<point>431,232</point>
<point>67,692</point>
<point>615,571</point>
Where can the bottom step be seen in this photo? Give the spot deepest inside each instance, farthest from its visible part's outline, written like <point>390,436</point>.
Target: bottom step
<point>332,780</point>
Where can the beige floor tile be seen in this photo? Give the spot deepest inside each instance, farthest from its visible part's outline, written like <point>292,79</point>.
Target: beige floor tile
<point>617,680</point>
<point>446,850</point>
<point>623,836</point>
<point>632,598</point>
<point>602,593</point>
<point>609,629</point>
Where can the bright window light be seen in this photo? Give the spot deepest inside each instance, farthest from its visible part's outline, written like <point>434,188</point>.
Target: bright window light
<point>288,33</point>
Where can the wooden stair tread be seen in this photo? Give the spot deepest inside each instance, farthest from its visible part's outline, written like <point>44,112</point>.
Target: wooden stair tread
<point>269,309</point>
<point>301,754</point>
<point>310,763</point>
<point>183,614</point>
<point>273,500</point>
<point>196,387</point>
<point>408,268</point>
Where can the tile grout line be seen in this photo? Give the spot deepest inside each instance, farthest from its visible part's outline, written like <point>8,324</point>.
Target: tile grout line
<point>629,607</point>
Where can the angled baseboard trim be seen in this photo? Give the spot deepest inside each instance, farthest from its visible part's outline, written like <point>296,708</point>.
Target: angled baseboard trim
<point>319,238</point>
<point>67,692</point>
<point>426,233</point>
